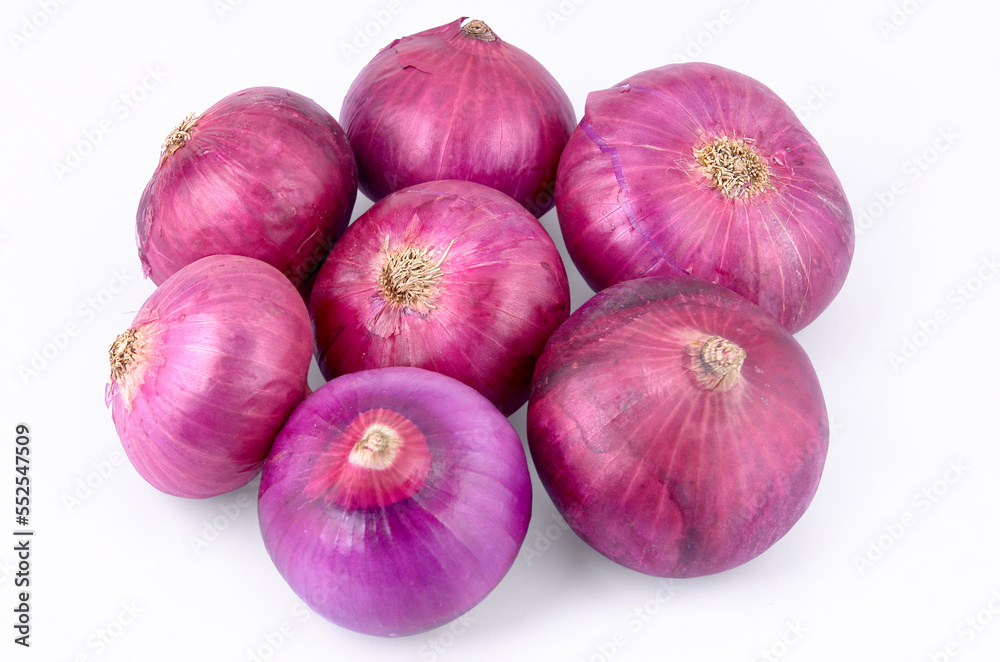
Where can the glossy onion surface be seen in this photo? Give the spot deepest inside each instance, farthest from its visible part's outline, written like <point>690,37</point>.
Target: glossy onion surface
<point>212,365</point>
<point>450,276</point>
<point>458,102</point>
<point>394,500</point>
<point>265,173</point>
<point>679,429</point>
<point>693,168</point>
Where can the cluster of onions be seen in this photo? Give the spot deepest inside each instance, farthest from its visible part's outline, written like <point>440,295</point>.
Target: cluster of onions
<point>675,422</point>
<point>673,419</point>
<point>396,496</point>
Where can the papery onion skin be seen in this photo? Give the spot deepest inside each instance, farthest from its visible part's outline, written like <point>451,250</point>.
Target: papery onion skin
<point>219,358</point>
<point>265,173</point>
<point>648,465</point>
<point>633,200</point>
<point>442,104</point>
<point>431,552</point>
<point>502,290</point>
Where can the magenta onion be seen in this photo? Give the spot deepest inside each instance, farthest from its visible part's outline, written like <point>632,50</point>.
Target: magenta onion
<point>394,500</point>
<point>265,173</point>
<point>678,428</point>
<point>212,365</point>
<point>450,276</point>
<point>457,102</point>
<point>693,168</point>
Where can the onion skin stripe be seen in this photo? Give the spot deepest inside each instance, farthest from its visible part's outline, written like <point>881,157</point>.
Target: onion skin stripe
<point>623,197</point>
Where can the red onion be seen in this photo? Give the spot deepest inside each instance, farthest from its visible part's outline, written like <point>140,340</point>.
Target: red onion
<point>457,102</point>
<point>265,173</point>
<point>692,168</point>
<point>394,500</point>
<point>212,365</point>
<point>450,276</point>
<point>678,428</point>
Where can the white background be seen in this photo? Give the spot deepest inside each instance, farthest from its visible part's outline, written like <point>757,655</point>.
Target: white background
<point>899,548</point>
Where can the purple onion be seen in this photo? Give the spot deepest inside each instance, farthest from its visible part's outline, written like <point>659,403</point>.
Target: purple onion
<point>693,168</point>
<point>449,276</point>
<point>677,427</point>
<point>265,173</point>
<point>212,365</point>
<point>394,500</point>
<point>457,102</point>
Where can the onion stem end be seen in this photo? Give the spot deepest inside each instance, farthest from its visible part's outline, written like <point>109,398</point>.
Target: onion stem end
<point>734,168</point>
<point>716,363</point>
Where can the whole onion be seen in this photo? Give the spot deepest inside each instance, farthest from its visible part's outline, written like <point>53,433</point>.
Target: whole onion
<point>678,428</point>
<point>265,173</point>
<point>693,168</point>
<point>214,362</point>
<point>457,102</point>
<point>394,500</point>
<point>450,276</point>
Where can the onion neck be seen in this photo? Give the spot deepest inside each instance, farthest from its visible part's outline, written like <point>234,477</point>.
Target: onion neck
<point>734,167</point>
<point>376,449</point>
<point>122,353</point>
<point>379,459</point>
<point>716,363</point>
<point>130,358</point>
<point>179,136</point>
<point>410,277</point>
<point>477,29</point>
